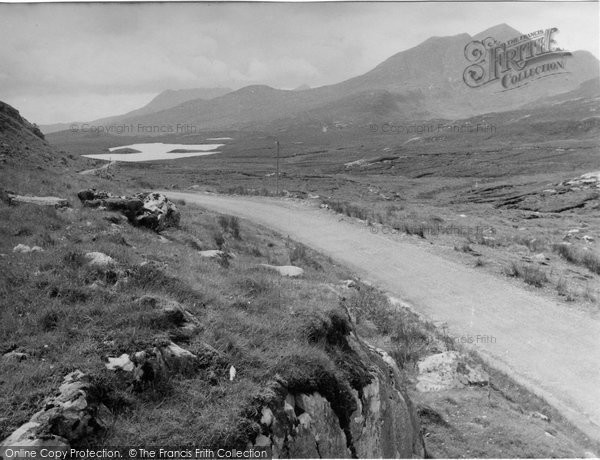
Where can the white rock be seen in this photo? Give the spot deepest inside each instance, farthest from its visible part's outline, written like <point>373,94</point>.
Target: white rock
<point>539,415</point>
<point>232,373</point>
<point>266,416</point>
<point>305,420</point>
<point>24,249</point>
<point>447,370</point>
<point>211,253</point>
<point>262,441</point>
<point>40,200</point>
<point>349,283</point>
<point>285,270</point>
<point>123,362</point>
<point>176,351</point>
<point>99,259</point>
<point>14,357</point>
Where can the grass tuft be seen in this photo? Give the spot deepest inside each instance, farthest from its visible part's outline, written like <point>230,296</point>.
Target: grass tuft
<point>531,275</point>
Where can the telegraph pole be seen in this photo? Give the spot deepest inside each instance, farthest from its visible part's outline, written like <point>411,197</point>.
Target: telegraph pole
<point>277,177</point>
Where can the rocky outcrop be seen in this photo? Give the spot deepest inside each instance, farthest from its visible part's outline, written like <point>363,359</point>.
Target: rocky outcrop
<point>151,210</point>
<point>377,421</point>
<point>73,414</point>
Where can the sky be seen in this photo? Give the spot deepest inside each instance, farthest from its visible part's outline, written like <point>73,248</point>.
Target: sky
<point>79,62</point>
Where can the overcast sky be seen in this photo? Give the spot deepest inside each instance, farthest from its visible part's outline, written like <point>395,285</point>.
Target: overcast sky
<point>78,62</point>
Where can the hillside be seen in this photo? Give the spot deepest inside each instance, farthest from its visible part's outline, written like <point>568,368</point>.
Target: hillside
<point>28,163</point>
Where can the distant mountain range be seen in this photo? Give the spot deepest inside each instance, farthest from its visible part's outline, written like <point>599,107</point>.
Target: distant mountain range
<point>165,100</point>
<point>423,82</point>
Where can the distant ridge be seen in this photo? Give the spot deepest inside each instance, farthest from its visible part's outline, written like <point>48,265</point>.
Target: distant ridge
<point>165,100</point>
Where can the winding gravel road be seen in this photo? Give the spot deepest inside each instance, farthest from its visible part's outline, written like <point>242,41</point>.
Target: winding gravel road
<point>552,349</point>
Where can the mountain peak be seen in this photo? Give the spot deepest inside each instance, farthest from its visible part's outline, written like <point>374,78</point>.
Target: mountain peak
<point>501,32</point>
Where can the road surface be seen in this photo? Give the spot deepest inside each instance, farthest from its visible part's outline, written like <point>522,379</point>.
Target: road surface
<point>551,349</point>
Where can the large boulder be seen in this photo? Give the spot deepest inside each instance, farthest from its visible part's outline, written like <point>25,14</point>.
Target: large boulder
<point>157,212</point>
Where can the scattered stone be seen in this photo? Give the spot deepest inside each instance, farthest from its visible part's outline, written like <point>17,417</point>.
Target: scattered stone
<point>24,249</point>
<point>587,238</point>
<point>99,259</point>
<point>212,378</point>
<point>211,253</point>
<point>285,270</point>
<point>14,357</point>
<point>39,200</point>
<point>447,370</point>
<point>266,418</point>
<point>162,360</point>
<point>115,219</point>
<point>92,194</point>
<point>122,362</point>
<point>262,441</point>
<point>349,284</point>
<point>174,313</point>
<point>540,416</point>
